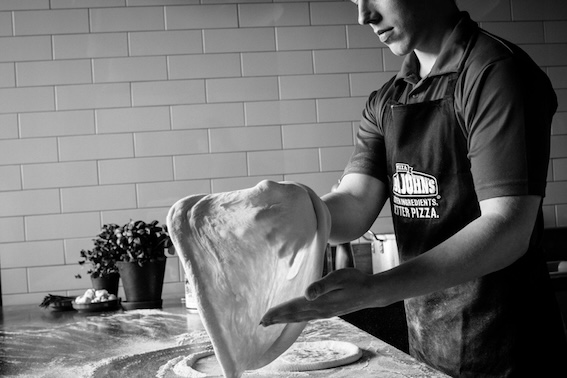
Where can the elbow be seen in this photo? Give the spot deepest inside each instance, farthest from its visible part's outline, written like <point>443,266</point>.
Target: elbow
<point>511,223</point>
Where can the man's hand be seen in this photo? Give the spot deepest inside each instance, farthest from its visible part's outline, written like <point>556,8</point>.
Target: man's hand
<point>491,242</point>
<point>340,292</point>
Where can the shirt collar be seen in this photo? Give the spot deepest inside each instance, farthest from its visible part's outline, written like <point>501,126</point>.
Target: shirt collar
<point>451,56</point>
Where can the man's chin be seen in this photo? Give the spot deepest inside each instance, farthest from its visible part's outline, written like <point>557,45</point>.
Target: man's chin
<point>398,50</point>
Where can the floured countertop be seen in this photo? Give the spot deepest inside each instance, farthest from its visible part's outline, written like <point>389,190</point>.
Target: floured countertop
<point>150,343</point>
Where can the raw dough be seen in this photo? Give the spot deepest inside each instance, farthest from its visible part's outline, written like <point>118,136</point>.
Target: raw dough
<point>244,252</point>
<point>316,355</point>
<point>301,356</point>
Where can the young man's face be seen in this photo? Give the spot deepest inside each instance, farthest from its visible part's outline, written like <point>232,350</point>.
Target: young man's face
<point>399,24</point>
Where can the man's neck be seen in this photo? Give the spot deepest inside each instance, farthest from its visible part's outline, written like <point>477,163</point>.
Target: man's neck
<point>426,62</point>
<point>427,53</point>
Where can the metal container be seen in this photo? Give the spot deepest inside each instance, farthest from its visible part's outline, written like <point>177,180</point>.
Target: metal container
<point>378,255</point>
<point>384,252</point>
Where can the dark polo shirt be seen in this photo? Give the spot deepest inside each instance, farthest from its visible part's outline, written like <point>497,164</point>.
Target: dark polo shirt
<point>503,101</point>
<point>503,105</point>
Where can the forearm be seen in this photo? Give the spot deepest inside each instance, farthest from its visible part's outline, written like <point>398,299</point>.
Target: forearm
<point>354,206</point>
<point>349,222</point>
<point>491,242</point>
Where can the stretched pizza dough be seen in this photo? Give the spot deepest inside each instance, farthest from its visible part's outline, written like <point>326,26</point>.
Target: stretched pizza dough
<point>244,252</point>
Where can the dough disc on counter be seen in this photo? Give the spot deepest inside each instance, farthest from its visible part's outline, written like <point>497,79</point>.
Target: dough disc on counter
<point>301,356</point>
<point>316,355</point>
<point>244,252</point>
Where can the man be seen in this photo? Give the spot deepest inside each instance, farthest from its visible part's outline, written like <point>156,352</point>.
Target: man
<point>459,143</point>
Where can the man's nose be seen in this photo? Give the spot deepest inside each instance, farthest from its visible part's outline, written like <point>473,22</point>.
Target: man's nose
<point>367,13</point>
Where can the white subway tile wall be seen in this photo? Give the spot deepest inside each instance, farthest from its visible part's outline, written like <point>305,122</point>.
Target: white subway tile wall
<point>113,110</point>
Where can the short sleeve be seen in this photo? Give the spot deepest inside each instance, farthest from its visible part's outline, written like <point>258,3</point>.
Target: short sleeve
<point>369,156</point>
<point>507,115</point>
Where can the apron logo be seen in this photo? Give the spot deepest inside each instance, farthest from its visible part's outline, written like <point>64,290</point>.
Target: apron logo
<point>415,194</point>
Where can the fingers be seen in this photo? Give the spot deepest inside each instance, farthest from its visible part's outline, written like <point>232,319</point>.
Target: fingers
<point>314,291</point>
<point>323,299</point>
<point>294,311</point>
<point>331,282</point>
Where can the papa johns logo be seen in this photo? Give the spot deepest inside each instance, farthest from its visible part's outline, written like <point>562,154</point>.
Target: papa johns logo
<point>408,183</point>
<point>415,194</point>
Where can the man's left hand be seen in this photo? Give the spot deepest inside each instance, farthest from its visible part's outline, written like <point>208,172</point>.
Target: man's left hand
<point>340,292</point>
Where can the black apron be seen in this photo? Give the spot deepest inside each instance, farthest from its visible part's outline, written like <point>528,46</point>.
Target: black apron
<point>470,329</point>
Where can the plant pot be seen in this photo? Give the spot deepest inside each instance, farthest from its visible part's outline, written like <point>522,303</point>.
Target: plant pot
<point>143,285</point>
<point>108,282</point>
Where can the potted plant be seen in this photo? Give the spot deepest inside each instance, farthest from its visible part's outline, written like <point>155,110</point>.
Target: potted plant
<point>142,262</point>
<point>102,260</point>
